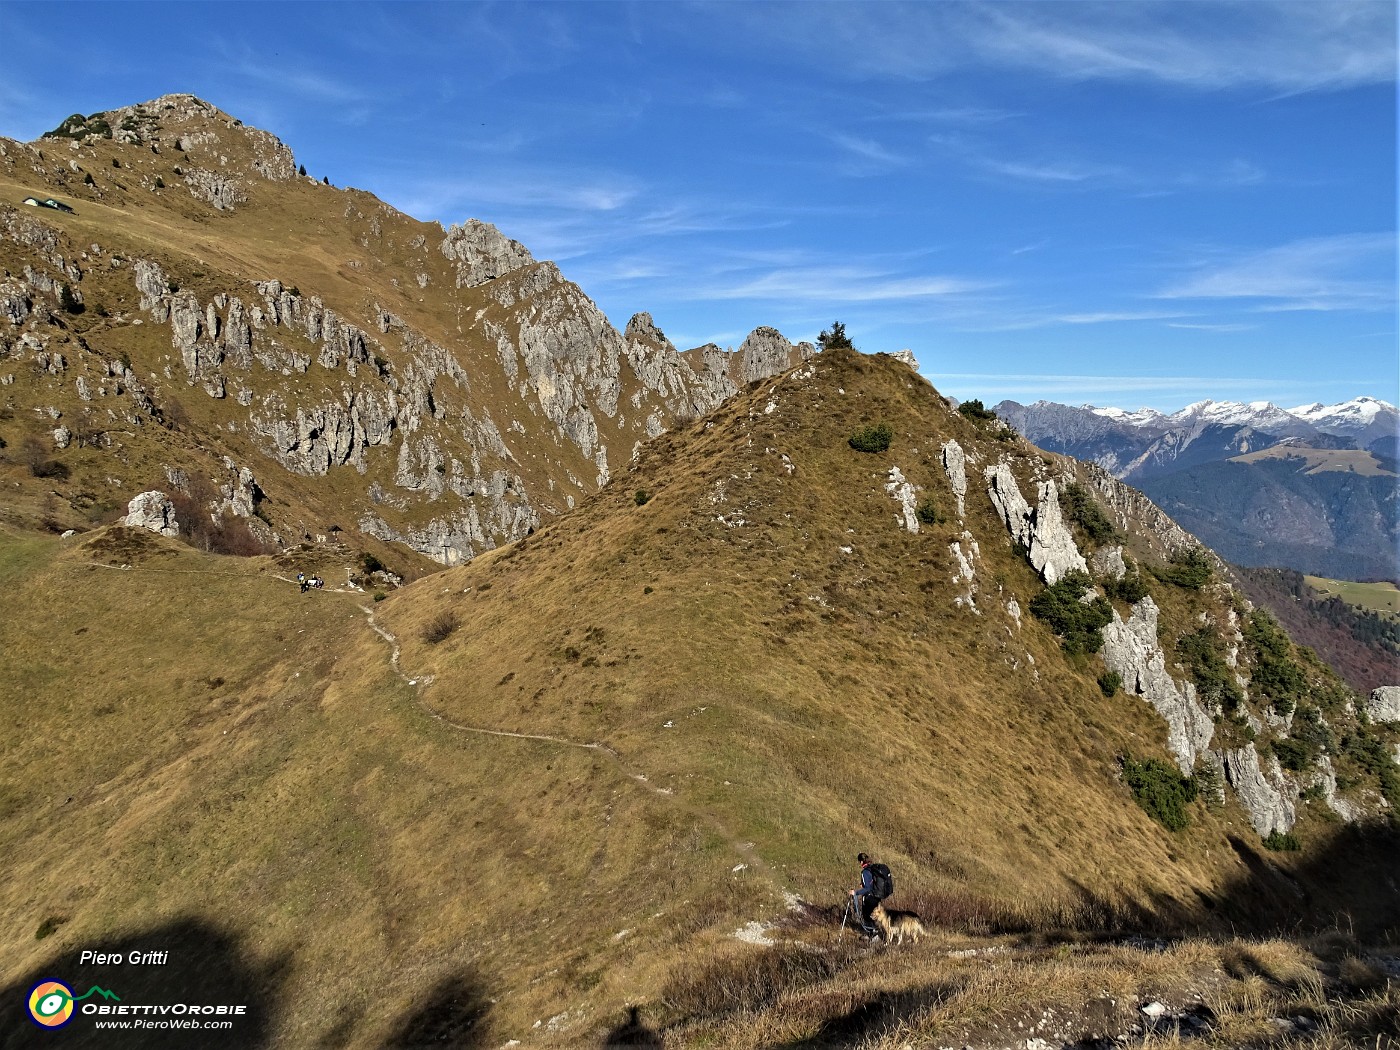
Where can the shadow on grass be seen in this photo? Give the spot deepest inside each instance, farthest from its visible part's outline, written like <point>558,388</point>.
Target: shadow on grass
<point>878,1015</point>
<point>632,1032</point>
<point>204,965</point>
<point>449,1015</point>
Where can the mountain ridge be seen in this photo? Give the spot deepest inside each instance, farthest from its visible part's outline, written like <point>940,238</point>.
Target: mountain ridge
<point>709,632</point>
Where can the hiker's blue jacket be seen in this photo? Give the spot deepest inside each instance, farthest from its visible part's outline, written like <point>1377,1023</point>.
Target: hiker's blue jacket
<point>867,881</point>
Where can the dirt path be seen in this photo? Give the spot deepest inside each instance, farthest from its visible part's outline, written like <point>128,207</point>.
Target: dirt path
<point>745,850</point>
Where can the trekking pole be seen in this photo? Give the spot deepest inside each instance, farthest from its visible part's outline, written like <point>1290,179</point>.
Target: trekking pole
<point>846,915</point>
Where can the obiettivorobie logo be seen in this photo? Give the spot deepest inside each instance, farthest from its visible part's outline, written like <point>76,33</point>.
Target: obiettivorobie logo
<point>51,1002</point>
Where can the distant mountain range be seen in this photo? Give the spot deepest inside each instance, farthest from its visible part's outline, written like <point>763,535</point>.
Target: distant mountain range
<point>1311,488</point>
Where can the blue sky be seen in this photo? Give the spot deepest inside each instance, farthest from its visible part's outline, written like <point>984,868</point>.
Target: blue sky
<point>1125,203</point>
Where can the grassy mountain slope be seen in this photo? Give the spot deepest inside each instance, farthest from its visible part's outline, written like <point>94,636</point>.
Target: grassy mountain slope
<point>587,758</point>
<point>427,393</point>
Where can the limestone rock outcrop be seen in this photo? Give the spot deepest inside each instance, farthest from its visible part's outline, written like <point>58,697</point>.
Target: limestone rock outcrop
<point>152,510</point>
<point>903,493</point>
<point>1130,648</point>
<point>1042,531</point>
<point>1264,797</point>
<point>955,464</point>
<point>482,253</point>
<point>1383,705</point>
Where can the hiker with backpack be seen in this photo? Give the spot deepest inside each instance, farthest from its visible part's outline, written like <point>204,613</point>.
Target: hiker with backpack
<point>876,883</point>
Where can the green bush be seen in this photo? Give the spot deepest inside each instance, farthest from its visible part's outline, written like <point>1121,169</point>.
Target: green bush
<point>835,338</point>
<point>1130,587</point>
<point>1202,654</point>
<point>975,410</point>
<point>1110,682</point>
<point>370,564</point>
<point>67,301</point>
<point>379,596</point>
<point>1282,841</point>
<point>1079,624</point>
<point>1190,568</point>
<point>927,511</point>
<point>1276,676</point>
<point>1080,507</point>
<point>872,438</point>
<point>50,925</point>
<point>640,497</point>
<point>1161,790</point>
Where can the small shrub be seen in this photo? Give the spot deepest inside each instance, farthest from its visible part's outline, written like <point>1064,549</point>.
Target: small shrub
<point>440,627</point>
<point>571,652</point>
<point>159,183</point>
<point>1190,568</point>
<point>67,301</point>
<point>301,169</point>
<point>1110,682</point>
<point>835,338</point>
<point>646,590</point>
<point>379,596</point>
<point>1276,676</point>
<point>1161,790</point>
<point>88,180</point>
<point>50,468</point>
<point>872,438</point>
<point>370,564</point>
<point>974,409</point>
<point>116,163</point>
<point>1078,624</point>
<point>1081,508</point>
<point>1202,654</point>
<point>1283,841</point>
<point>174,286</point>
<point>1130,587</point>
<point>49,926</point>
<point>640,497</point>
<point>927,511</point>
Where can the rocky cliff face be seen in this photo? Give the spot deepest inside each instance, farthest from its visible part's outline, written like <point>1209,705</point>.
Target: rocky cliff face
<point>470,390</point>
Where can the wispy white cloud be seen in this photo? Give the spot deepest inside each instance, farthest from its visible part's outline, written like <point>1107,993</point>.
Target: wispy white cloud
<point>843,284</point>
<point>1276,45</point>
<point>869,149</point>
<point>1078,173</point>
<point>1344,272</point>
<point>1033,247</point>
<point>947,115</point>
<point>1227,327</point>
<point>1108,317</point>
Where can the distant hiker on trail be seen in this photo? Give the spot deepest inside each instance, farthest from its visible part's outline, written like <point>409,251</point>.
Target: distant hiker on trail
<point>303,582</point>
<point>876,884</point>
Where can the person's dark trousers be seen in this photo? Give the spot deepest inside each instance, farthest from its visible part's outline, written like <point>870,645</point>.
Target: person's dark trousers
<point>868,904</point>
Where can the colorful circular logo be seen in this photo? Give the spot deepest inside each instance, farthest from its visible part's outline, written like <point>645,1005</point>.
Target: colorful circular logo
<point>51,1004</point>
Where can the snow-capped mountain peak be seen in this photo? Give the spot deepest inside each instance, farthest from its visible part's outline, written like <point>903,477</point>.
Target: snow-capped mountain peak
<point>1361,410</point>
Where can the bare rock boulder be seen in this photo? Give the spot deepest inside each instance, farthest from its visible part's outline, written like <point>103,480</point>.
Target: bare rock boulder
<point>1383,705</point>
<point>152,510</point>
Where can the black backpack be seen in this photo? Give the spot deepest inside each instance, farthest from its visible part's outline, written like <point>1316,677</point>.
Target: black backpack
<point>881,881</point>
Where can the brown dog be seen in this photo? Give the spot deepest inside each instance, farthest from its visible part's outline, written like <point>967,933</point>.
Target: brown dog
<point>895,924</point>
